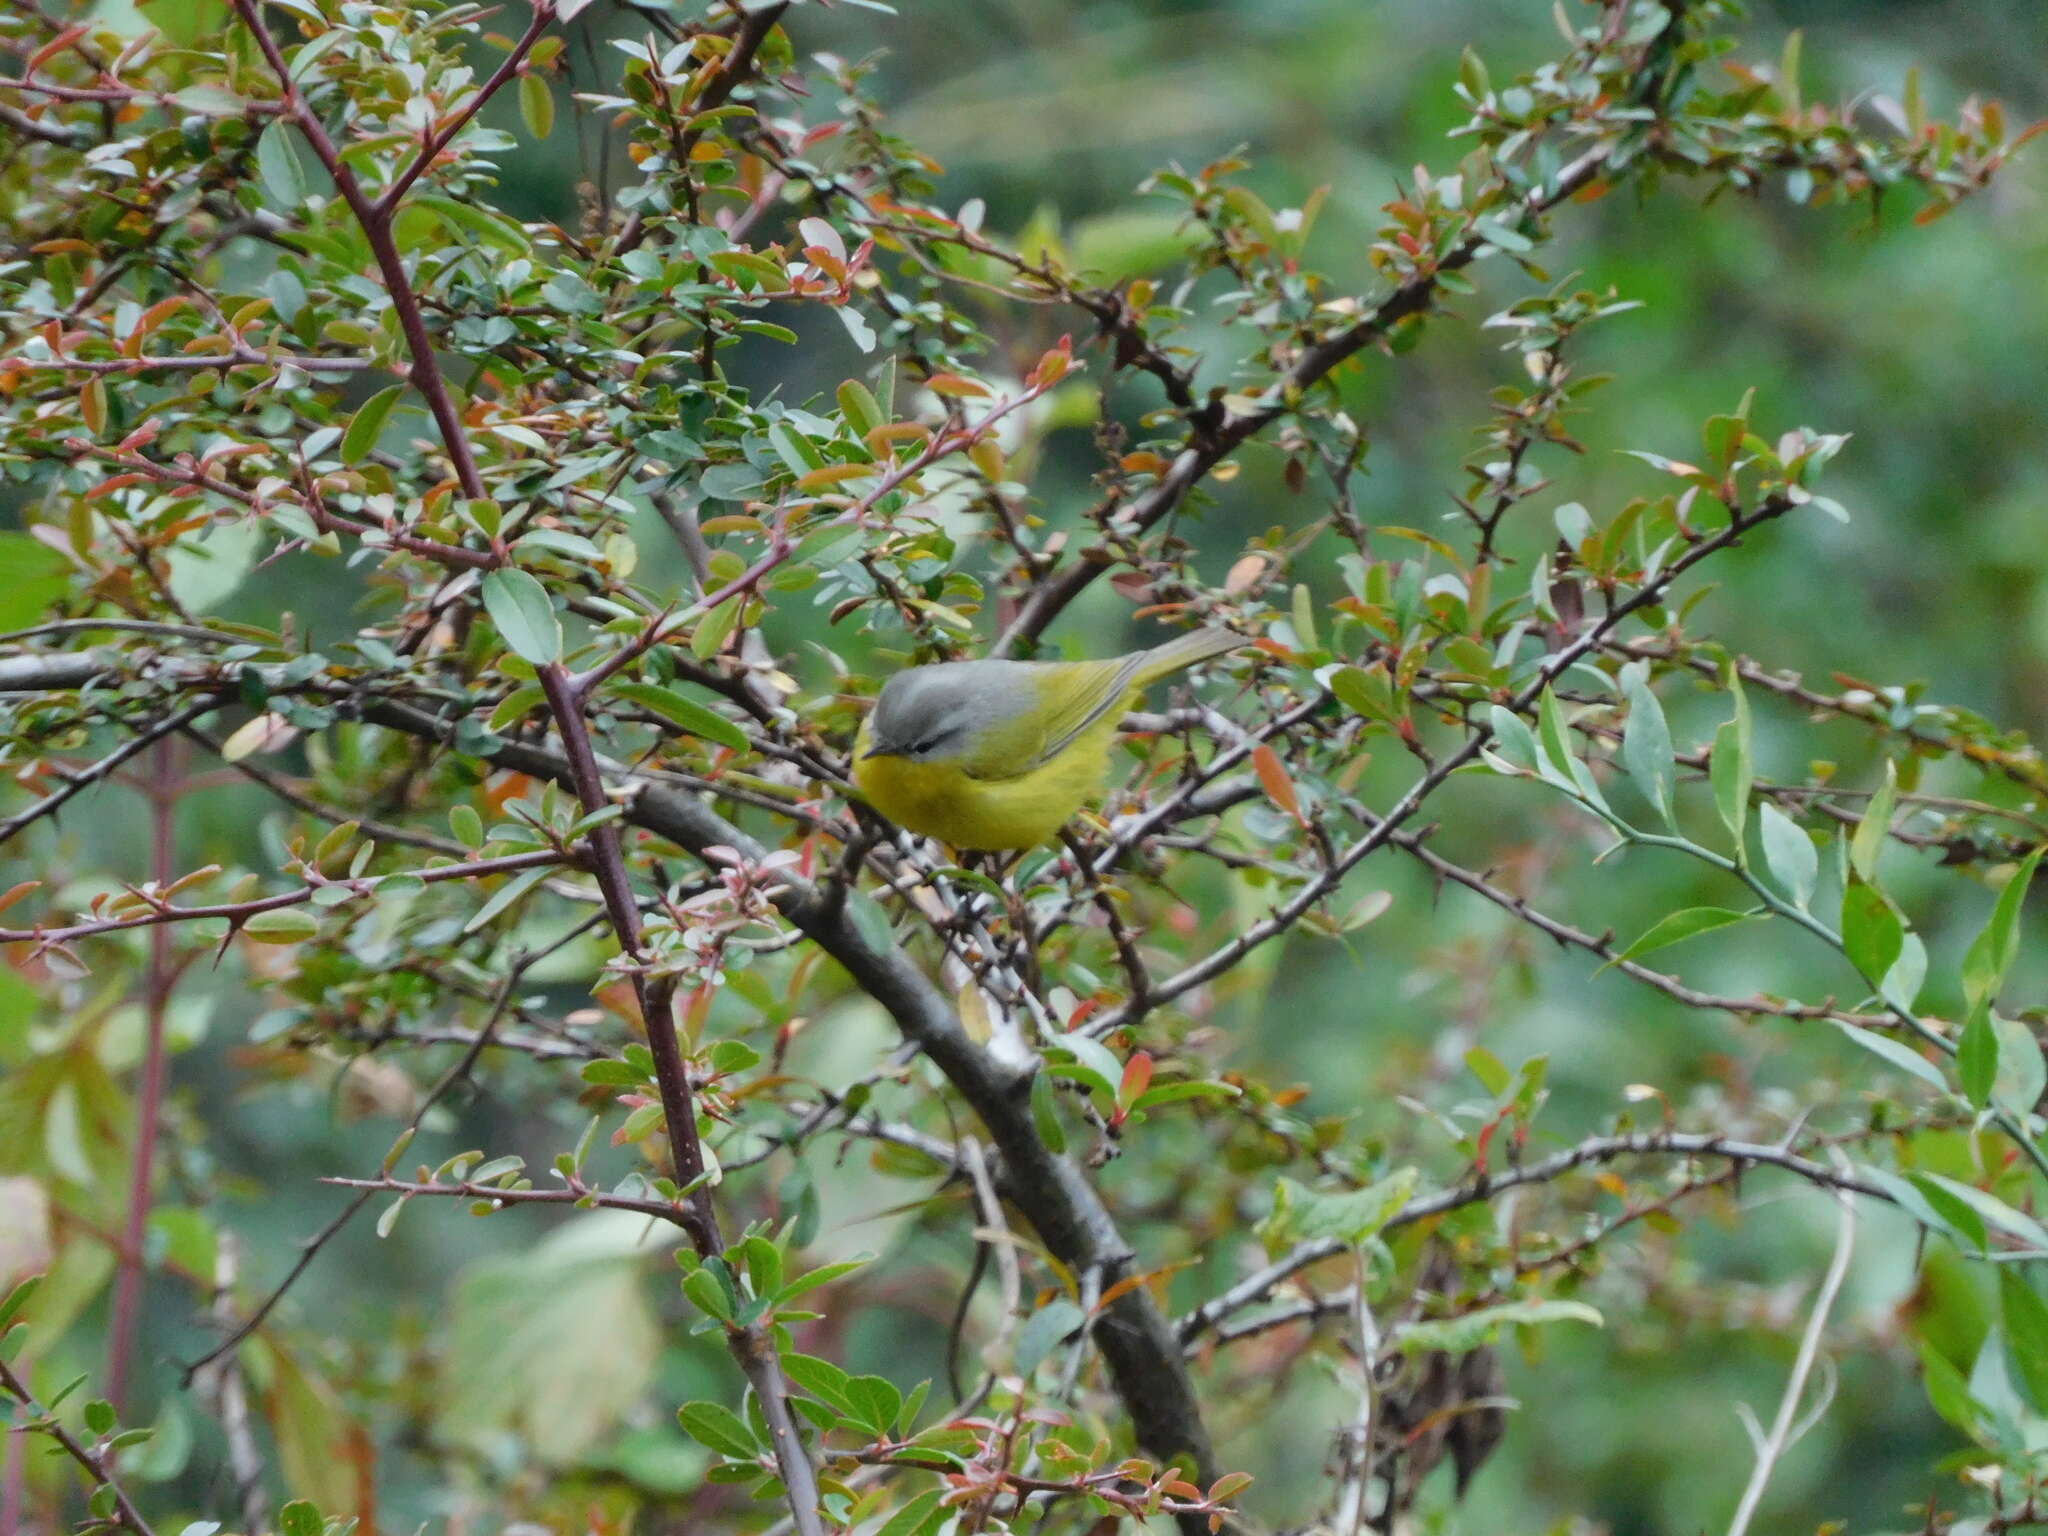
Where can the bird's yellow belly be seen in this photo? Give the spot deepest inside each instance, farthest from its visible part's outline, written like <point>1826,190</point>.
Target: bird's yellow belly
<point>939,800</point>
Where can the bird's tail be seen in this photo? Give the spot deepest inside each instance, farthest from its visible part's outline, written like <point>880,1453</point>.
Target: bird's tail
<point>1183,651</point>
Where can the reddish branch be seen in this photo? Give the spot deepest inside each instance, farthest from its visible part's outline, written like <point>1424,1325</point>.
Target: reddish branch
<point>158,981</point>
<point>160,911</point>
<point>751,1345</point>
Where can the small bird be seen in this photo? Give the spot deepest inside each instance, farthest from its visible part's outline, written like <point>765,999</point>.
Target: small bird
<point>1000,754</point>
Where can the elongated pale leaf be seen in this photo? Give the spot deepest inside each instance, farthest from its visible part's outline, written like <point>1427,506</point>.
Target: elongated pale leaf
<point>1789,854</point>
<point>1896,1052</point>
<point>1977,1056</point>
<point>684,713</point>
<point>1872,934</point>
<point>278,163</point>
<point>520,607</point>
<point>1868,842</point>
<point>367,424</point>
<point>506,895</point>
<point>1730,770</point>
<point>1680,926</point>
<point>1646,743</point>
<point>1991,954</point>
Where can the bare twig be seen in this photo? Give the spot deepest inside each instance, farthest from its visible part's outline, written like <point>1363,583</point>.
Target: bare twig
<point>1774,1445</point>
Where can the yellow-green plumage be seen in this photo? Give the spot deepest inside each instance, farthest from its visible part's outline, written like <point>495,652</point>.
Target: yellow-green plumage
<point>1001,754</point>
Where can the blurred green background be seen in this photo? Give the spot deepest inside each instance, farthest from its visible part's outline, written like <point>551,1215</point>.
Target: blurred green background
<point>1926,344</point>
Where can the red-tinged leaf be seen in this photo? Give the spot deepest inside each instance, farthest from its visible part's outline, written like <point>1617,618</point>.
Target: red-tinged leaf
<point>831,475</point>
<point>885,437</point>
<point>92,405</point>
<point>1241,575</point>
<point>155,316</point>
<point>954,385</point>
<point>1279,786</point>
<point>1227,1484</point>
<point>55,46</point>
<point>1137,1078</point>
<point>1053,366</point>
<point>118,482</point>
<point>141,437</point>
<point>14,893</point>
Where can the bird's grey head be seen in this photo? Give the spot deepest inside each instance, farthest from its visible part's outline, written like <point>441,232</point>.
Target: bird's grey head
<point>931,711</point>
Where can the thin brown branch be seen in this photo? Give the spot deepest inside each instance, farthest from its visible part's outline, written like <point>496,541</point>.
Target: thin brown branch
<point>90,1459</point>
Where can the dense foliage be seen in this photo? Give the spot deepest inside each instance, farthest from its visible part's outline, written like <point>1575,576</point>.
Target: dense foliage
<point>479,608</point>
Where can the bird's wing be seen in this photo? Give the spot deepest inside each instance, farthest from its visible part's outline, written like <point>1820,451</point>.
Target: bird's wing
<point>1069,698</point>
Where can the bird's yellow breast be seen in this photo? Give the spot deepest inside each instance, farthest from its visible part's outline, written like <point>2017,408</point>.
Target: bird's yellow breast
<point>939,799</point>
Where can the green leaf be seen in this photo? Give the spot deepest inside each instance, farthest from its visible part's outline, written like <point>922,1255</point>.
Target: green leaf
<point>1174,1093</point>
<point>367,425</point>
<point>209,101</point>
<point>1992,953</point>
<point>278,163</point>
<point>1045,1114</point>
<point>1512,736</point>
<point>536,104</point>
<point>1460,1335</point>
<point>1680,926</point>
<point>1094,1063</point>
<point>1491,1071</point>
<point>2022,1074</point>
<point>1557,740</point>
<point>821,1378</point>
<point>1931,1206</point>
<point>686,714</point>
<point>1872,934</point>
<point>506,895</point>
<point>1992,1209</point>
<point>1897,1052</point>
<point>863,413</point>
<point>1948,1393</point>
<point>300,1518</point>
<point>32,576</point>
<point>520,607</point>
<point>714,628</point>
<point>1347,1216</point>
<point>100,1417</point>
<point>553,1342</point>
<point>1042,1332</point>
<point>1875,827</point>
<point>516,706</point>
<point>1977,1056</point>
<point>18,1298</point>
<point>718,1427</point>
<point>282,925</point>
<point>920,1517</point>
<point>824,1274</point>
<point>1730,770</point>
<point>1646,743</point>
<point>494,229</point>
<point>2025,1316</point>
<point>1789,855</point>
<point>875,1402</point>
